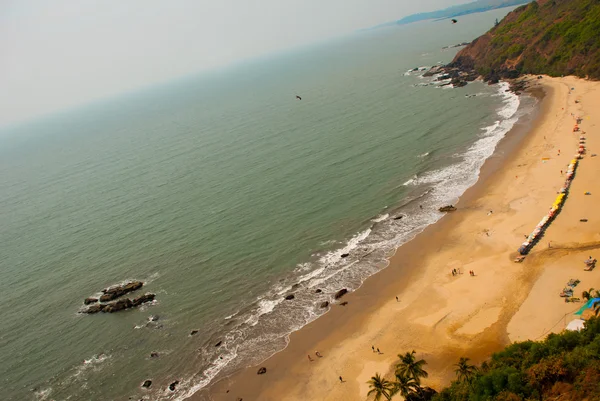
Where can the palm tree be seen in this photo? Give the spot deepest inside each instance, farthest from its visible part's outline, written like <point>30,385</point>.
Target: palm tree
<point>464,371</point>
<point>587,294</point>
<point>406,385</point>
<point>381,387</point>
<point>410,367</point>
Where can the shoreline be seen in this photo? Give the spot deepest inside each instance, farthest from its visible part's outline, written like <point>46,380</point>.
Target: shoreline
<point>330,333</point>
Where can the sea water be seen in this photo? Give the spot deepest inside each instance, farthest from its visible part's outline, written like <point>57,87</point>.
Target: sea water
<point>224,193</point>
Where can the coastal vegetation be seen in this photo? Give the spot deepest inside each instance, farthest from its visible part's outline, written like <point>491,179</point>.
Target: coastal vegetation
<point>553,37</point>
<point>564,367</point>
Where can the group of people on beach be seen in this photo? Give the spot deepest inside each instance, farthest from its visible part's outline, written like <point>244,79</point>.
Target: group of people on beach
<point>456,272</point>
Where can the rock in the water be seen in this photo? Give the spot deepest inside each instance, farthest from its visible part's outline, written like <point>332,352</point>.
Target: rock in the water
<point>153,318</point>
<point>447,208</point>
<point>154,354</point>
<point>295,286</point>
<point>340,293</point>
<point>318,290</point>
<point>344,255</point>
<point>147,384</point>
<point>143,299</point>
<point>95,309</point>
<point>344,303</point>
<point>193,332</point>
<point>218,344</point>
<point>262,371</point>
<point>398,217</point>
<point>324,304</point>
<point>120,290</point>
<point>90,300</point>
<point>119,305</point>
<point>289,297</point>
<point>173,385</point>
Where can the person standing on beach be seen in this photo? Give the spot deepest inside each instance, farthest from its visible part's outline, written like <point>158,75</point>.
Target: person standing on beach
<point>309,358</point>
<point>341,380</point>
<point>373,348</point>
<point>396,298</point>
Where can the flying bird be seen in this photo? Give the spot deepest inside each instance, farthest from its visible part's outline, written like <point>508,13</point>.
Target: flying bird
<point>454,21</point>
<point>298,97</point>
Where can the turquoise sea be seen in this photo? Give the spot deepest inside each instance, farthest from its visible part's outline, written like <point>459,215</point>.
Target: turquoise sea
<point>224,193</point>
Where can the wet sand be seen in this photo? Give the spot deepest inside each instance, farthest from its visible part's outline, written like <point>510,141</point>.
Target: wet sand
<point>444,317</point>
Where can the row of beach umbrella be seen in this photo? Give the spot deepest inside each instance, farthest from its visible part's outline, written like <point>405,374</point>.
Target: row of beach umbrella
<point>558,203</point>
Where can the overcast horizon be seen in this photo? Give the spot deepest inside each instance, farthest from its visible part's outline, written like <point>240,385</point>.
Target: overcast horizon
<point>66,53</point>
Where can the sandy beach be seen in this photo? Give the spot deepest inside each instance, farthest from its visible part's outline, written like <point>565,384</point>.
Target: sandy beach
<point>444,317</point>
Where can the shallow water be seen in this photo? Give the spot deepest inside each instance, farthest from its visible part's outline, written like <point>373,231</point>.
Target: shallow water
<point>224,193</point>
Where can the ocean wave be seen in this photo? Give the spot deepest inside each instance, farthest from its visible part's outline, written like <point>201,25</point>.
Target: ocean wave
<point>380,218</point>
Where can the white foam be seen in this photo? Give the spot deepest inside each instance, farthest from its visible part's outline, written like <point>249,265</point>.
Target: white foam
<point>380,218</point>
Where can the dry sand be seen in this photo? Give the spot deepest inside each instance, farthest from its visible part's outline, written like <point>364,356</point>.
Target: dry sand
<point>444,317</point>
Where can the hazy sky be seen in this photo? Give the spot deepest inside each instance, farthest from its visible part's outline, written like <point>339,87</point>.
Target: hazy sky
<point>55,54</point>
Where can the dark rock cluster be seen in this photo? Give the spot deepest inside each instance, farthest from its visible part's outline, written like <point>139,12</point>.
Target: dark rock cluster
<point>107,304</point>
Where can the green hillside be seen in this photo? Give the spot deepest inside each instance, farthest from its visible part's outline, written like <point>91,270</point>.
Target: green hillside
<point>554,37</point>
<point>564,367</point>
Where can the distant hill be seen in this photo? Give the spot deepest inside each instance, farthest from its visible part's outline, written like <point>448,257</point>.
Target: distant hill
<point>478,6</point>
<point>554,37</point>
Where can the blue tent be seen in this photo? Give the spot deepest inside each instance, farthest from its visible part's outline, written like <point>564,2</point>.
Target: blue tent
<point>587,305</point>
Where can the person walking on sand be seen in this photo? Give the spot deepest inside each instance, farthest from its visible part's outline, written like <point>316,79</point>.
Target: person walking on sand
<point>379,352</point>
<point>309,358</point>
<point>317,353</point>
<point>373,348</point>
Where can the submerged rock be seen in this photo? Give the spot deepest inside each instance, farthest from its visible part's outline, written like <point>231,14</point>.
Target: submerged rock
<point>147,384</point>
<point>318,290</point>
<point>193,332</point>
<point>262,371</point>
<point>218,344</point>
<point>340,293</point>
<point>90,300</point>
<point>447,208</point>
<point>154,354</point>
<point>289,297</point>
<point>324,304</point>
<point>344,255</point>
<point>173,385</point>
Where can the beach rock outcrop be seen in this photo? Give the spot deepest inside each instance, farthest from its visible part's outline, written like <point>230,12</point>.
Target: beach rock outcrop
<point>117,291</point>
<point>147,384</point>
<point>173,385</point>
<point>90,300</point>
<point>340,293</point>
<point>119,305</point>
<point>95,309</point>
<point>289,297</point>
<point>143,299</point>
<point>447,208</point>
<point>262,371</point>
<point>324,304</point>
